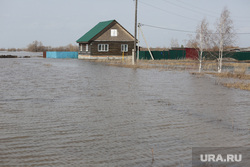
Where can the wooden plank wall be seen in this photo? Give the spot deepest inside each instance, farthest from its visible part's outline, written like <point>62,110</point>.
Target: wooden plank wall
<point>114,48</point>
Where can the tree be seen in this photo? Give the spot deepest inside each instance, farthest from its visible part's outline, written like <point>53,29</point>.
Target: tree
<point>192,42</point>
<point>71,47</point>
<point>225,34</point>
<point>202,40</point>
<point>203,35</point>
<point>174,43</point>
<point>35,46</point>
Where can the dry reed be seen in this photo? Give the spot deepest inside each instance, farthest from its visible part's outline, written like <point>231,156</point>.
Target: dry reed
<point>238,85</point>
<point>239,69</point>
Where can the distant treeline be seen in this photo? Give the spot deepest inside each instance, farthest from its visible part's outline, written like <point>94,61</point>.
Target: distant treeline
<point>37,46</point>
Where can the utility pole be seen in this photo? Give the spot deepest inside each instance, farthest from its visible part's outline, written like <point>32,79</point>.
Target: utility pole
<point>135,35</point>
<point>145,41</point>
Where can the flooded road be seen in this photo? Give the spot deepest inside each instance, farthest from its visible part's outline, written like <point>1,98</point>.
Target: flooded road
<point>56,112</point>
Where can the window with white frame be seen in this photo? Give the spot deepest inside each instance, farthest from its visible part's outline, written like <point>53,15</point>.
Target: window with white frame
<point>113,32</point>
<point>87,47</point>
<point>80,47</point>
<point>103,47</point>
<point>124,47</point>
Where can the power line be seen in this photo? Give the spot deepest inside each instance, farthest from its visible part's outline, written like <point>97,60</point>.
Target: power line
<point>176,14</point>
<point>164,28</point>
<point>238,18</point>
<point>189,9</point>
<point>186,31</point>
<point>192,6</point>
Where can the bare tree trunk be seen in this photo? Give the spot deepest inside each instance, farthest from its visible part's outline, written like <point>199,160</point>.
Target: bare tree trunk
<point>221,51</point>
<point>226,35</point>
<point>219,62</point>
<point>200,61</point>
<point>201,48</point>
<point>201,40</point>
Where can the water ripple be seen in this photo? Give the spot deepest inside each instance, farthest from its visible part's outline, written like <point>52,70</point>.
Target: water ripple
<point>75,113</point>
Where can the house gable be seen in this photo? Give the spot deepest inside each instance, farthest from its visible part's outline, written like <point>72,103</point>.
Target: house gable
<point>102,32</point>
<point>121,34</point>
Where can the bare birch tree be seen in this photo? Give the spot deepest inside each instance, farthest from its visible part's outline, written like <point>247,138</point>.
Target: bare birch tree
<point>225,34</point>
<point>203,36</point>
<point>202,40</point>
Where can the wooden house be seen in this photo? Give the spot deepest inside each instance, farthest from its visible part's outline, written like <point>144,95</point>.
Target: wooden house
<point>106,39</point>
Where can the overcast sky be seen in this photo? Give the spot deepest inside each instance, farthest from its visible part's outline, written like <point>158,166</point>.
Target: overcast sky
<point>61,22</point>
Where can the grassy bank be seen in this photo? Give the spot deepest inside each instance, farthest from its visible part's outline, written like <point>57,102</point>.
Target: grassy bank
<point>234,74</point>
<point>238,67</point>
<point>228,79</point>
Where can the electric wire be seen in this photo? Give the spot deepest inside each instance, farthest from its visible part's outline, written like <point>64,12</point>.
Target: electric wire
<point>166,11</point>
<point>242,19</point>
<point>236,18</point>
<point>164,28</point>
<point>184,31</point>
<point>189,9</point>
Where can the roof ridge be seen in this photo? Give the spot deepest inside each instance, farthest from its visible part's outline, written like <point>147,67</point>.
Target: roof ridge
<point>107,21</point>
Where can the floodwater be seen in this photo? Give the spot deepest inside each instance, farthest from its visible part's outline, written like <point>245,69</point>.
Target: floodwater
<point>22,53</point>
<point>57,112</point>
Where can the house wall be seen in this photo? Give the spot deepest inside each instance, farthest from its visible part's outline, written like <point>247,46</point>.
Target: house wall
<point>122,35</point>
<point>84,52</point>
<point>114,48</point>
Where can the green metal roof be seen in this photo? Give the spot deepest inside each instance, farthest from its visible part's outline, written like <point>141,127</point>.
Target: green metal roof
<point>94,31</point>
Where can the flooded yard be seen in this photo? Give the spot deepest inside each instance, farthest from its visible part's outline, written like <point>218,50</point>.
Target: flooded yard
<point>57,112</point>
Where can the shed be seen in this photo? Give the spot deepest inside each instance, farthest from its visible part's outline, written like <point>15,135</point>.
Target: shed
<point>107,38</point>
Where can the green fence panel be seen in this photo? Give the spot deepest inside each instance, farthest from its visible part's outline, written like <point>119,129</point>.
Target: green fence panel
<point>141,55</point>
<point>144,55</point>
<point>160,55</point>
<point>241,55</point>
<point>234,55</point>
<point>181,54</point>
<point>177,54</point>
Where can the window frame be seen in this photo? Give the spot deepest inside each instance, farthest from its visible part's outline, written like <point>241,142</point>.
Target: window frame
<point>103,47</point>
<point>87,47</point>
<point>114,33</point>
<point>81,47</point>
<point>124,47</point>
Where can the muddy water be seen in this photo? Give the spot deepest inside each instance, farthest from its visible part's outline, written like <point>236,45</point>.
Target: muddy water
<point>75,113</point>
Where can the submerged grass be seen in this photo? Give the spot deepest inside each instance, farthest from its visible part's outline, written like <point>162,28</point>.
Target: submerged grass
<point>238,85</point>
<point>241,79</point>
<point>233,75</point>
<point>238,70</point>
